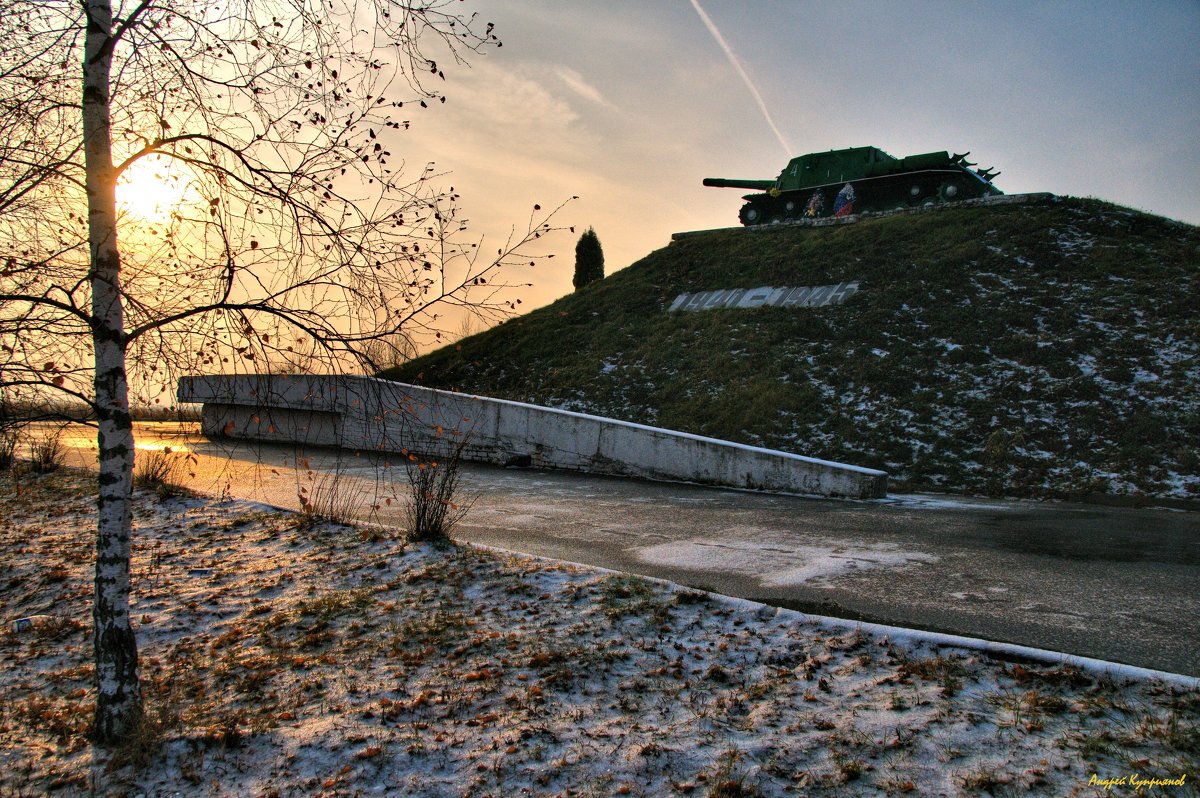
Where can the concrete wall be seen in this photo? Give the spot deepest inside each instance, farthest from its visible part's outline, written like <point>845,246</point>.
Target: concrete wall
<point>378,415</point>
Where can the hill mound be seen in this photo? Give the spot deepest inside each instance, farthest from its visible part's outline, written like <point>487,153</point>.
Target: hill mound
<point>1046,348</point>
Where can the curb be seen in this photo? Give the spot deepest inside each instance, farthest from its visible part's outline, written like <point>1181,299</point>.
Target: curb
<point>899,634</point>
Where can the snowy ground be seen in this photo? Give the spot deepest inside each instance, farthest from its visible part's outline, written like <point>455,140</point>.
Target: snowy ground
<point>286,657</point>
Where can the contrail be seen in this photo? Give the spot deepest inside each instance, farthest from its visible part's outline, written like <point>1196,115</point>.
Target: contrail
<point>737,66</point>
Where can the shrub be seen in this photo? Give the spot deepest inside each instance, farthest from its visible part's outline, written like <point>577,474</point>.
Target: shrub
<point>589,260</point>
<point>329,498</point>
<point>9,438</point>
<point>435,507</point>
<point>46,452</point>
<point>10,432</point>
<point>160,470</point>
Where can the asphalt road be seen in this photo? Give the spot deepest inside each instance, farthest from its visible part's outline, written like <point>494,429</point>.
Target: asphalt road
<point>1113,583</point>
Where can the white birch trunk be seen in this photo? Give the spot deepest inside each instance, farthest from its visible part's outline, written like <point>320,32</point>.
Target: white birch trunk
<point>118,699</point>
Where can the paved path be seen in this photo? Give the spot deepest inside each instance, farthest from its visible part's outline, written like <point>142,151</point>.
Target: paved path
<point>1112,583</point>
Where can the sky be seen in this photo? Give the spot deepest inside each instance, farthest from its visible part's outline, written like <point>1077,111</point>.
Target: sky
<point>629,104</point>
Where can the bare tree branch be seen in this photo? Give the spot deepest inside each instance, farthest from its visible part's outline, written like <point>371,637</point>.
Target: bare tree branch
<point>233,200</point>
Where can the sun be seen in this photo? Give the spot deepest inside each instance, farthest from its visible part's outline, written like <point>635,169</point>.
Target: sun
<point>152,187</point>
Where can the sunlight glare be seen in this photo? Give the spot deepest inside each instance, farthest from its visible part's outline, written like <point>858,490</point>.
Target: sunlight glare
<point>153,187</point>
<point>159,446</point>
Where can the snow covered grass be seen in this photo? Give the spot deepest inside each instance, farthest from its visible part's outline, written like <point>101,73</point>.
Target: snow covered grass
<point>1045,350</point>
<point>282,657</point>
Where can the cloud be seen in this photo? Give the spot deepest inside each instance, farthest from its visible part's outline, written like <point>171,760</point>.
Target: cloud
<point>576,83</point>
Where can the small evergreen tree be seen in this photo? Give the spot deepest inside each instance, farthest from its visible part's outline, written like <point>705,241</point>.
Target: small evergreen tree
<point>589,260</point>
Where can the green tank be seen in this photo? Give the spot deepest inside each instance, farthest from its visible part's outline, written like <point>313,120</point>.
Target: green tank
<point>858,179</point>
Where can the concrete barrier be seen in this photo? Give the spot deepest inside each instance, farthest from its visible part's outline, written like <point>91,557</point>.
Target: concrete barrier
<point>379,415</point>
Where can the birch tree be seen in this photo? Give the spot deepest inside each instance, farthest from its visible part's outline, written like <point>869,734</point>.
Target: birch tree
<point>186,183</point>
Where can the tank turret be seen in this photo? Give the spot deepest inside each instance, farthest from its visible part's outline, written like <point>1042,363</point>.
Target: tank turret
<point>858,179</point>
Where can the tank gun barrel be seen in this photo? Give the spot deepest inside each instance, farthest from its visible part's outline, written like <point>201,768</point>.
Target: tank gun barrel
<point>751,185</point>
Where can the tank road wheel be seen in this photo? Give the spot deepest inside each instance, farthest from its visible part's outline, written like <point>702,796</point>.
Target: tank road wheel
<point>791,208</point>
<point>949,192</point>
<point>750,215</point>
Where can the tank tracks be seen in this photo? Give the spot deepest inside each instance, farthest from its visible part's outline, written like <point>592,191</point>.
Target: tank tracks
<point>1003,199</point>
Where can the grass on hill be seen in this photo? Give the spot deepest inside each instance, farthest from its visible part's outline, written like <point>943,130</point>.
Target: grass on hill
<point>1038,349</point>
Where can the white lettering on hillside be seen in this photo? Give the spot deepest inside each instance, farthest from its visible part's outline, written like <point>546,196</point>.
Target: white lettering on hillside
<point>812,296</point>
